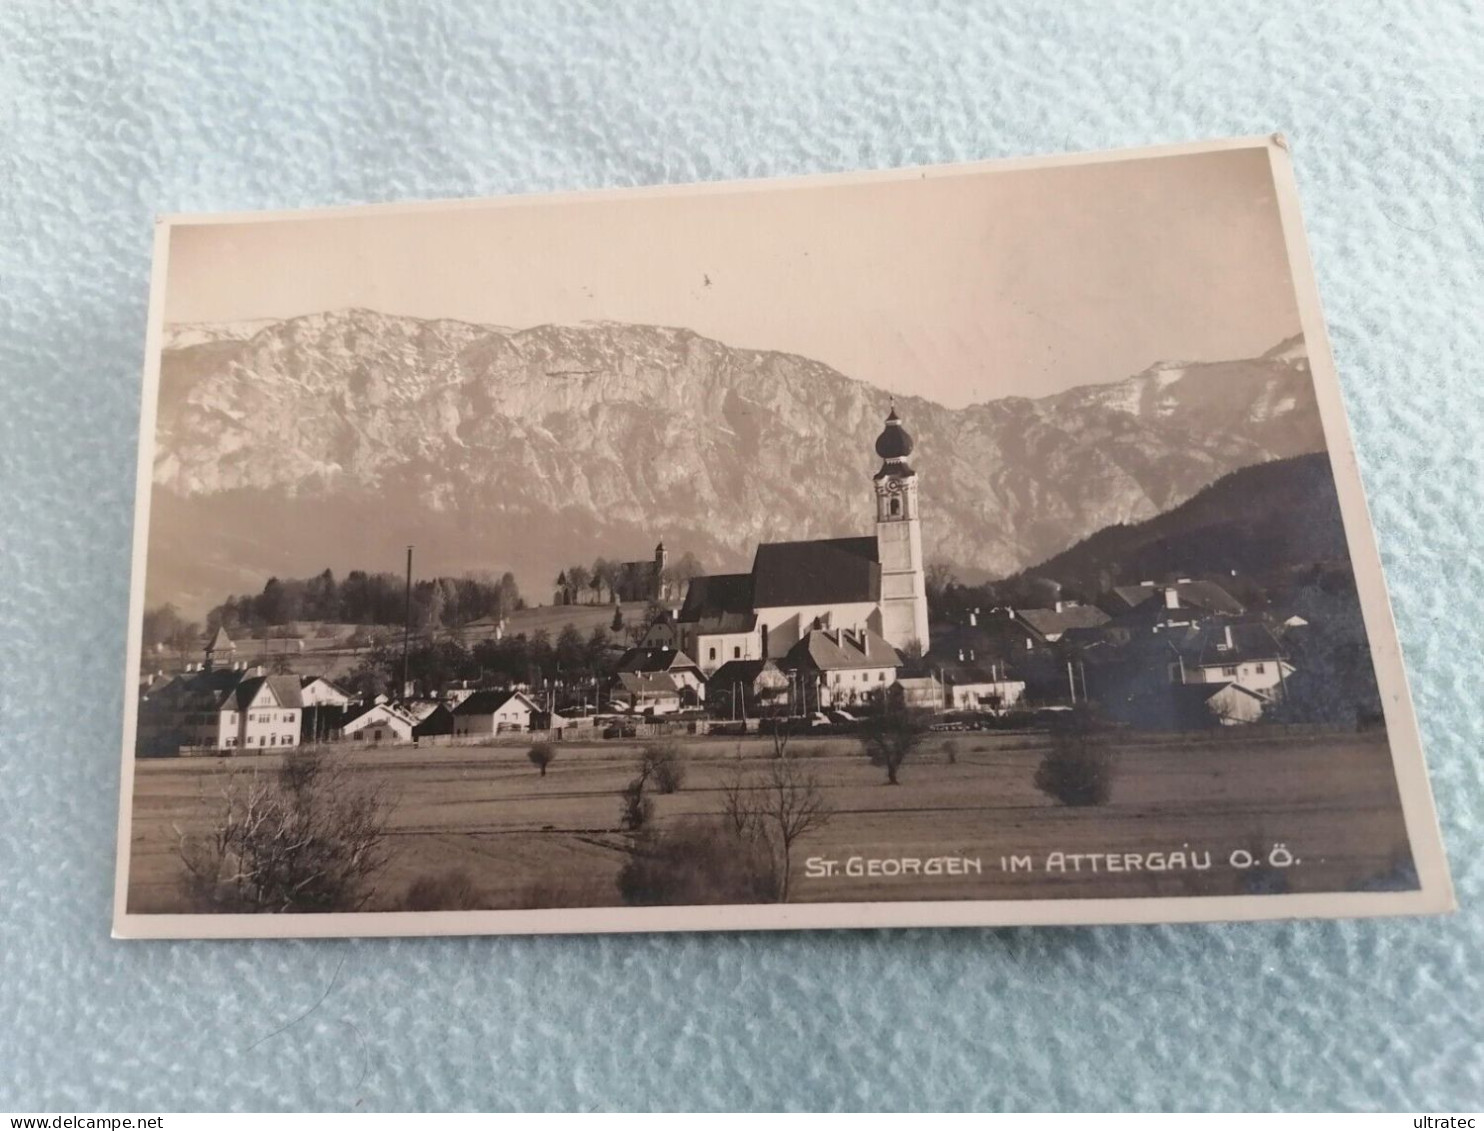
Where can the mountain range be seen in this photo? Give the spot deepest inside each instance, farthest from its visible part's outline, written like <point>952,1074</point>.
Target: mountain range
<point>336,439</point>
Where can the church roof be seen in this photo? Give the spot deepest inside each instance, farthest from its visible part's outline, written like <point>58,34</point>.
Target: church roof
<point>829,571</point>
<point>719,602</point>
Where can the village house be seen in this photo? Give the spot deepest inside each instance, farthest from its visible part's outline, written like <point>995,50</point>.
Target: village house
<point>381,722</point>
<point>226,709</point>
<point>1045,627</point>
<point>317,691</point>
<point>1245,654</point>
<point>872,584</point>
<point>743,687</point>
<point>663,632</point>
<point>921,692</point>
<point>495,712</point>
<point>434,718</point>
<point>688,679</point>
<point>969,687</point>
<point>841,668</point>
<point>650,693</point>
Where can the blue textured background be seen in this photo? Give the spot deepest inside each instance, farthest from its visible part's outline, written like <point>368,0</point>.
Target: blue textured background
<point>111,112</point>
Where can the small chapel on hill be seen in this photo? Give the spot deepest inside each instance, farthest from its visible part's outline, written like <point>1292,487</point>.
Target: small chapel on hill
<point>868,593</point>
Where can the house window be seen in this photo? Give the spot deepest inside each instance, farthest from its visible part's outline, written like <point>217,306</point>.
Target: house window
<point>712,652</point>
<point>1229,671</point>
<point>737,653</point>
<point>896,507</point>
<point>880,677</point>
<point>1261,668</point>
<point>260,740</point>
<point>273,740</point>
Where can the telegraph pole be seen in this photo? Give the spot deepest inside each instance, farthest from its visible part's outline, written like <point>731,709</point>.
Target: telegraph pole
<point>406,625</point>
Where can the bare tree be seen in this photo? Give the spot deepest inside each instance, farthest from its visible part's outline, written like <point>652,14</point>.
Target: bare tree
<point>306,838</point>
<point>777,807</point>
<point>937,578</point>
<point>791,804</point>
<point>636,809</point>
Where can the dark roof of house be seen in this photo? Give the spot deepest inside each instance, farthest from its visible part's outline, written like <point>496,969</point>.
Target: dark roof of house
<point>1205,595</point>
<point>829,571</point>
<point>742,671</point>
<point>721,602</point>
<point>827,649</point>
<point>1052,622</point>
<point>391,710</point>
<point>285,689</point>
<point>655,660</point>
<point>487,702</point>
<point>1208,645</point>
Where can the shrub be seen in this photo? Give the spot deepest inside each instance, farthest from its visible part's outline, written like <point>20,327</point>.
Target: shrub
<point>950,751</point>
<point>450,890</point>
<point>696,862</point>
<point>1078,769</point>
<point>889,740</point>
<point>541,755</point>
<point>661,767</point>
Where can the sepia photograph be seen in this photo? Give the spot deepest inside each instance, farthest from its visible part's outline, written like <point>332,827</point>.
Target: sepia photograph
<point>974,544</point>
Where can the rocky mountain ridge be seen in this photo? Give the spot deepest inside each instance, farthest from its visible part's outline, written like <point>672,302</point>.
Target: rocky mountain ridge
<point>336,438</point>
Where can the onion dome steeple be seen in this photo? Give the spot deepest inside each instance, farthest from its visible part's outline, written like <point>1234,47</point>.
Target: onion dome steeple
<point>894,445</point>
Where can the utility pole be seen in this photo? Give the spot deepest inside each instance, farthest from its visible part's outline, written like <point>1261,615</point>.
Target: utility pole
<point>406,624</point>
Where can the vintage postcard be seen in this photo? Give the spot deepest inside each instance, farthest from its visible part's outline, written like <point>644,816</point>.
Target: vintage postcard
<point>977,544</point>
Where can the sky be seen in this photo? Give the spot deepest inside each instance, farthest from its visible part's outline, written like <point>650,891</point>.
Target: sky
<point>959,286</point>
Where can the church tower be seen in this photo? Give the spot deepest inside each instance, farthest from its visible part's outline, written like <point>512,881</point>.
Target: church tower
<point>904,614</point>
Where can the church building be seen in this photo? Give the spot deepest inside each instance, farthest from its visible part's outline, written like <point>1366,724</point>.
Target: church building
<point>869,586</point>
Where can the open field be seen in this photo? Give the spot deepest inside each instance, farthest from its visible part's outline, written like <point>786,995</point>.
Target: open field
<point>555,841</point>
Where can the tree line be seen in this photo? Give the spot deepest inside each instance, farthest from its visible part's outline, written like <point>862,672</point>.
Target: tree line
<point>610,575</point>
<point>568,660</point>
<point>370,598</point>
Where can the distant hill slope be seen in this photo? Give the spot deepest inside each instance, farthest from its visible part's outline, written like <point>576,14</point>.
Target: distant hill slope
<point>337,438</point>
<point>1257,521</point>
